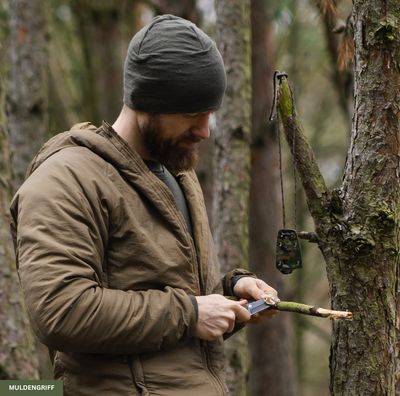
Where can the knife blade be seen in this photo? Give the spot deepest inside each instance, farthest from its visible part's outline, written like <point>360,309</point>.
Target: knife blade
<point>256,306</point>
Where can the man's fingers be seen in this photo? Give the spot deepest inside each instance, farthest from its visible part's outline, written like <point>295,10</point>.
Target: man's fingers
<point>257,292</point>
<point>218,315</point>
<point>247,287</point>
<point>268,290</point>
<point>263,316</point>
<point>262,291</point>
<point>256,288</point>
<point>242,314</point>
<point>230,327</point>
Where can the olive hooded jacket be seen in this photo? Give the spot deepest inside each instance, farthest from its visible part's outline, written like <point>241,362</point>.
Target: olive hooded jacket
<point>107,265</point>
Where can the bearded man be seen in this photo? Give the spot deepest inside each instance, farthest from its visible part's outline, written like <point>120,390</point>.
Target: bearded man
<point>115,257</point>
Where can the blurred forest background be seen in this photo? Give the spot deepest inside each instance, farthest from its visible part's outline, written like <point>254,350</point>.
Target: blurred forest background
<point>85,43</point>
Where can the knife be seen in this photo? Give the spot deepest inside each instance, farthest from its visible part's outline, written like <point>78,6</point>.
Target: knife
<point>256,306</point>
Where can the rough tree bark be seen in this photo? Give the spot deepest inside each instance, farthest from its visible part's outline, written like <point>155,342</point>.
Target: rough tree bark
<point>397,369</point>
<point>232,164</point>
<point>370,191</point>
<point>18,357</point>
<point>27,91</point>
<point>27,101</point>
<point>358,225</point>
<point>272,366</point>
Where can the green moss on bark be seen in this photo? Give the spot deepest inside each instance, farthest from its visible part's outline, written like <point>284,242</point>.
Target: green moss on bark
<point>358,232</point>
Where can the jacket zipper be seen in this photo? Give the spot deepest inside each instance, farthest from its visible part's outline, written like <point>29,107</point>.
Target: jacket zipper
<point>204,345</point>
<point>195,260</point>
<point>128,360</point>
<point>196,263</point>
<point>214,378</point>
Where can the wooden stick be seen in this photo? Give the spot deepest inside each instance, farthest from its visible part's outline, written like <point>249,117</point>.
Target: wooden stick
<point>313,311</point>
<point>302,308</point>
<point>309,236</point>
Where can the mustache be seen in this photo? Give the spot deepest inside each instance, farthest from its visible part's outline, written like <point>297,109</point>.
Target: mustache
<point>190,138</point>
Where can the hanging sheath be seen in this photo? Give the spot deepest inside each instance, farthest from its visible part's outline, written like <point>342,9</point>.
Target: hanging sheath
<point>288,253</point>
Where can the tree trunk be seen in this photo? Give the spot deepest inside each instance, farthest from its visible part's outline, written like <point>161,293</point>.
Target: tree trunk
<point>358,225</point>
<point>397,368</point>
<point>27,100</point>
<point>186,9</point>
<point>272,366</point>
<point>363,277</point>
<point>18,357</point>
<point>104,29</point>
<point>27,90</point>
<point>232,164</point>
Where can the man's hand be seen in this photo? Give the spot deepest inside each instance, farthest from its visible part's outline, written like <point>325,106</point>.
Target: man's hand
<point>248,287</point>
<point>218,315</point>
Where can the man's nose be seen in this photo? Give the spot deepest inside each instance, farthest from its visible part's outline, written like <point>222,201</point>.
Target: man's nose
<point>201,128</point>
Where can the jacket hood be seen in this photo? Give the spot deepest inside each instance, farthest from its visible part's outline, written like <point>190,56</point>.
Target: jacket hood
<point>103,141</point>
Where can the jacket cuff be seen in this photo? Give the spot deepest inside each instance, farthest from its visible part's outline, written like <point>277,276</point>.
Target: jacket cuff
<point>235,280</point>
<point>227,279</point>
<point>195,306</point>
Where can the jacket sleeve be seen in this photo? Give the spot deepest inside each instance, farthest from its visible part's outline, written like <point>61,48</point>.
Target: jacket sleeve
<point>60,229</point>
<point>227,280</point>
<point>227,284</point>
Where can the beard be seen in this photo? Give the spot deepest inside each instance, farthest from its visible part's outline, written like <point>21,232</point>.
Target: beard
<point>167,151</point>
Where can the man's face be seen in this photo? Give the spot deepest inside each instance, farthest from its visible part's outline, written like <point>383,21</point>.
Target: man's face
<point>172,139</point>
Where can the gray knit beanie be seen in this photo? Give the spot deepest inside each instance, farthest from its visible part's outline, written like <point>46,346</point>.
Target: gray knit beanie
<point>173,67</point>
